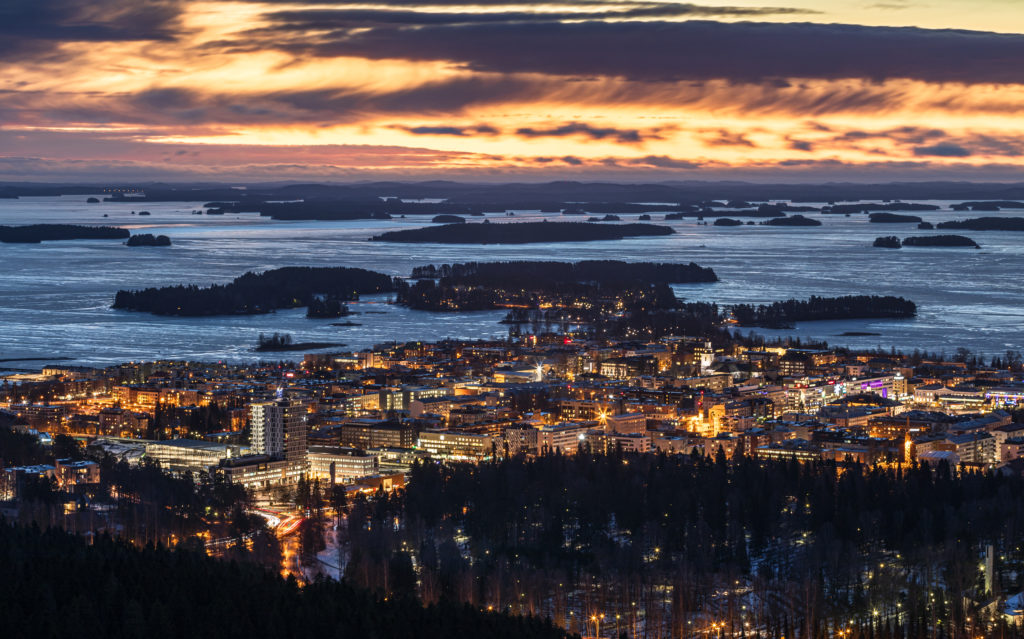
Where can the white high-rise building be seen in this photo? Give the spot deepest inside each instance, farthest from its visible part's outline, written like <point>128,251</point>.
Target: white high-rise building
<point>278,429</point>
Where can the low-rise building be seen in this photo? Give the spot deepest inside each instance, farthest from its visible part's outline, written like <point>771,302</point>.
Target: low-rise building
<point>257,472</point>
<point>561,438</point>
<point>457,444</point>
<point>189,455</point>
<point>339,464</point>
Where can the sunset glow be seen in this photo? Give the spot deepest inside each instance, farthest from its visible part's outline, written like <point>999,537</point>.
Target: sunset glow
<point>805,89</point>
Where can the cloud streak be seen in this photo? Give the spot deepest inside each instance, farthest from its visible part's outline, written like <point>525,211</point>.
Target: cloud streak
<point>624,136</point>
<point>690,50</point>
<point>30,28</point>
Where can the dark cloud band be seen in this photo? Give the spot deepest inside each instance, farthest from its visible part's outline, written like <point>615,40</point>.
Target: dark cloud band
<point>691,50</point>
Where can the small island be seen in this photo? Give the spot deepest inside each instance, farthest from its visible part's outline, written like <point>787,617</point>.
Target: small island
<point>522,233</point>
<point>727,221</point>
<point>941,240</point>
<point>148,239</point>
<point>35,233</point>
<point>893,218</point>
<point>793,220</point>
<point>283,342</point>
<point>784,314</point>
<point>92,200</point>
<point>925,226</point>
<point>891,242</point>
<point>448,219</point>
<point>986,224</point>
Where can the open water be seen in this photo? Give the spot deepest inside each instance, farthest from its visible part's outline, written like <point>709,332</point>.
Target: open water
<point>55,297</point>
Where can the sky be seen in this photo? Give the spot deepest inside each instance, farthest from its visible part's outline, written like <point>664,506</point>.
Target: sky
<point>121,91</point>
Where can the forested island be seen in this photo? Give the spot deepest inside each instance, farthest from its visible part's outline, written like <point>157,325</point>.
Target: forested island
<point>891,242</point>
<point>529,284</point>
<point>941,240</point>
<point>892,218</point>
<point>727,221</point>
<point>926,240</point>
<point>793,220</point>
<point>255,293</point>
<point>35,233</point>
<point>279,342</point>
<point>148,239</point>
<point>448,219</point>
<point>58,584</point>
<point>521,233</point>
<point>986,224</point>
<point>785,314</point>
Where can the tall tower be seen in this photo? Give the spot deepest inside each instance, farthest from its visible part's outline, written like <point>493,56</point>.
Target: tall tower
<point>266,429</point>
<point>706,357</point>
<point>278,429</point>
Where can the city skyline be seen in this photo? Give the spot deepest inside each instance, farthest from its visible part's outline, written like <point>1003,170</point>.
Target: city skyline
<point>491,91</point>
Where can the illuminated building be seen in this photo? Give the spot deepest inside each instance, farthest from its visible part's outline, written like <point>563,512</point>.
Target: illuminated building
<point>12,479</point>
<point>42,416</point>
<point>1011,449</point>
<point>798,449</point>
<point>260,471</point>
<point>626,423</point>
<point>71,472</point>
<point>627,442</point>
<point>521,439</point>
<point>181,455</point>
<point>120,422</point>
<point>563,438</point>
<point>375,433</point>
<point>278,429</point>
<point>458,445</point>
<point>340,465</point>
<point>1006,395</point>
